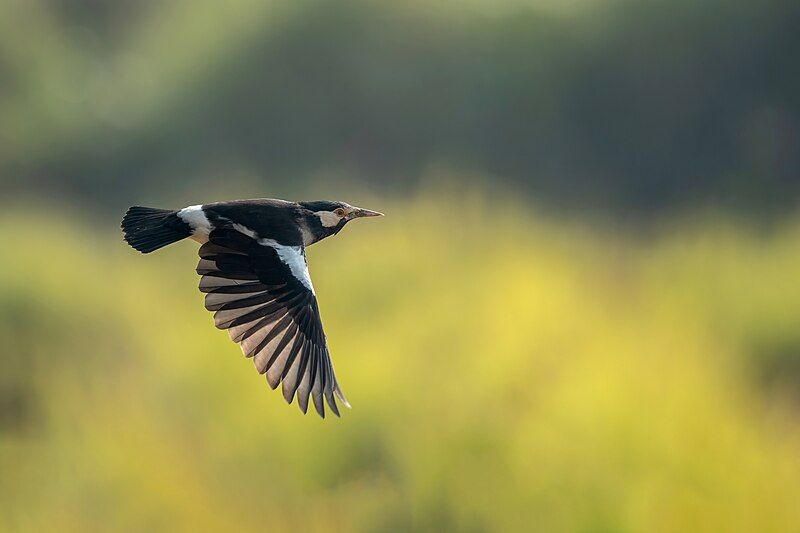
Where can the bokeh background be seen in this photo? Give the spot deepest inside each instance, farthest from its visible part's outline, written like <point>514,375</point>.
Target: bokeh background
<point>582,312</point>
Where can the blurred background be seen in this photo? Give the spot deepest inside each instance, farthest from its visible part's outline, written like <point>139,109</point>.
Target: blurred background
<point>581,312</point>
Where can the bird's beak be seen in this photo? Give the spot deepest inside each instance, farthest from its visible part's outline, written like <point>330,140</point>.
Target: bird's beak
<point>358,213</point>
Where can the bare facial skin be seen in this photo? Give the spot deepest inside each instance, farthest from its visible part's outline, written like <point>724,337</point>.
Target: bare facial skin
<point>330,219</point>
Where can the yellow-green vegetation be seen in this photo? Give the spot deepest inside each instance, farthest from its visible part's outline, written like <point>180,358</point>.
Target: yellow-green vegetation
<point>507,372</point>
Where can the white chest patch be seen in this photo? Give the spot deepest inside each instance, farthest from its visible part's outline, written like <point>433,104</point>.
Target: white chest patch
<point>197,220</point>
<point>294,258</point>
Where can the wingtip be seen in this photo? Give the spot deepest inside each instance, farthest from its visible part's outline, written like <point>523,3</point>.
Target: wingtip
<point>341,397</point>
<point>288,394</point>
<point>303,405</point>
<point>271,381</point>
<point>319,406</point>
<point>332,403</point>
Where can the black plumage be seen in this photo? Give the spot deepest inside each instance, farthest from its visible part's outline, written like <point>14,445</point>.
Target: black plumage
<point>273,219</point>
<point>255,277</point>
<point>148,229</point>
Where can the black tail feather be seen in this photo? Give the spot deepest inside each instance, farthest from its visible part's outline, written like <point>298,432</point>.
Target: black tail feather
<point>148,229</point>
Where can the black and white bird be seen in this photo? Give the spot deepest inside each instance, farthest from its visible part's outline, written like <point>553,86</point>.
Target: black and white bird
<point>255,277</point>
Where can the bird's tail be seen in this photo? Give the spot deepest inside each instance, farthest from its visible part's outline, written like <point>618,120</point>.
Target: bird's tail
<point>148,228</point>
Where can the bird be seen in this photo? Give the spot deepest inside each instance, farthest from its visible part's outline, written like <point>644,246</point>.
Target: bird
<point>254,274</point>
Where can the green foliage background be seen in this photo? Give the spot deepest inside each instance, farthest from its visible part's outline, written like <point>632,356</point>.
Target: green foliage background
<point>587,104</point>
<point>507,372</point>
<point>581,312</point>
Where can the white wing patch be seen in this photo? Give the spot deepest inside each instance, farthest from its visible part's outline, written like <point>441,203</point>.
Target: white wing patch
<point>294,257</point>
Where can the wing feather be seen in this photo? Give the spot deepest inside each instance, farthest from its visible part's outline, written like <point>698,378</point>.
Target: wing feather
<point>252,287</point>
<point>318,383</point>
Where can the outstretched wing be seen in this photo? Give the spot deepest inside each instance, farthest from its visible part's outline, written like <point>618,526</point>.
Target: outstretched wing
<point>260,291</point>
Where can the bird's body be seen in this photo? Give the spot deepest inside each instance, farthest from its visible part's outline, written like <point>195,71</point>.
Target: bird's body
<point>254,273</point>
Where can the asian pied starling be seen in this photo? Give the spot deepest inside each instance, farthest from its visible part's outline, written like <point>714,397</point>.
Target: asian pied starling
<point>255,277</point>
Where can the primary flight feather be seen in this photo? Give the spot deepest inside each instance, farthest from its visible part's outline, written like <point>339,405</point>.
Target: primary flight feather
<point>255,277</point>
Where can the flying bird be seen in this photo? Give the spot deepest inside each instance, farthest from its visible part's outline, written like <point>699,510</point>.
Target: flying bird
<point>255,278</point>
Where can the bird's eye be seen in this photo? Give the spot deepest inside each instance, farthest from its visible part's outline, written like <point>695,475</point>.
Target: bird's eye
<point>339,212</point>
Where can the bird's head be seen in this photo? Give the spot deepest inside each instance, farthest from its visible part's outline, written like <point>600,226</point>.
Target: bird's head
<point>328,218</point>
